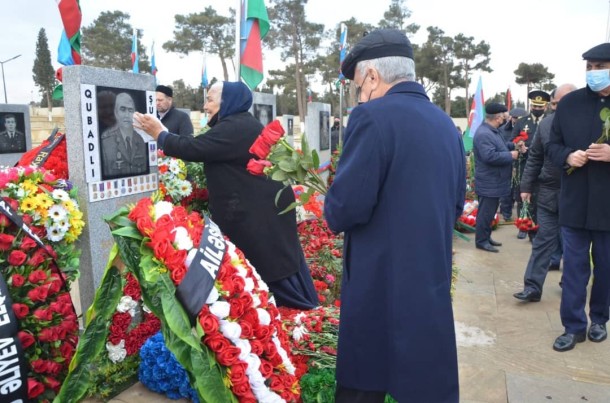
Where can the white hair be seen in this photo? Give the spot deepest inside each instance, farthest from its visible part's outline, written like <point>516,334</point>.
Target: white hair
<point>392,69</point>
<point>218,85</point>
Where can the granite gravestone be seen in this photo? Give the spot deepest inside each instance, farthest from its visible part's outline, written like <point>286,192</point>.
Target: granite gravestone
<point>317,129</point>
<point>263,107</point>
<point>288,125</point>
<point>15,133</point>
<point>110,163</point>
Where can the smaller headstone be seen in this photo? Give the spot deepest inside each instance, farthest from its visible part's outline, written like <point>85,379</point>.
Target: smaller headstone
<point>263,107</point>
<point>15,133</point>
<point>317,129</point>
<point>288,125</point>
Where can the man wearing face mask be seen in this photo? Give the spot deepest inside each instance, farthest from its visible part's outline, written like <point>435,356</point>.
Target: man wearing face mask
<point>402,168</point>
<point>493,158</point>
<point>527,126</point>
<point>584,207</point>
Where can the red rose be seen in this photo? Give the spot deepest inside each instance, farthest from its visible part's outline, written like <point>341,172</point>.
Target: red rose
<point>216,342</point>
<point>263,333</point>
<point>238,284</point>
<point>43,314</point>
<point>26,339</point>
<point>257,167</point>
<point>6,242</point>
<point>266,368</point>
<point>177,273</point>
<point>273,132</point>
<point>38,294</point>
<point>179,214</point>
<point>246,329</point>
<point>238,372</point>
<point>239,305</point>
<point>52,383</point>
<point>17,280</point>
<point>28,243</point>
<point>48,334</point>
<point>39,366</point>
<point>228,356</point>
<point>21,310</point>
<point>241,389</point>
<point>132,288</point>
<point>209,323</point>
<point>260,148</point>
<point>256,347</point>
<point>67,350</point>
<point>35,388</point>
<point>276,384</point>
<point>37,276</point>
<point>37,258</point>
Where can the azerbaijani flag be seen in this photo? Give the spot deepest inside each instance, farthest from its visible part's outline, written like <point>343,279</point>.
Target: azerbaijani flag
<point>135,60</point>
<point>153,62</point>
<point>342,43</point>
<point>254,27</point>
<point>476,116</point>
<point>204,73</point>
<point>69,44</point>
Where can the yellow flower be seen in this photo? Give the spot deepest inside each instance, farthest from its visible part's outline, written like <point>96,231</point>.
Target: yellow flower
<point>28,204</point>
<point>29,186</point>
<point>69,205</point>
<point>44,200</point>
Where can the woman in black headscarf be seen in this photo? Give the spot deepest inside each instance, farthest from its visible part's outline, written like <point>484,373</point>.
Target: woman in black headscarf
<point>243,205</point>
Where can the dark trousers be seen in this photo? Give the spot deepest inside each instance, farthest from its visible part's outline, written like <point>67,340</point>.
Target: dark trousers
<point>506,206</point>
<point>485,215</point>
<point>544,245</point>
<point>347,395</point>
<point>556,256</point>
<point>576,274</point>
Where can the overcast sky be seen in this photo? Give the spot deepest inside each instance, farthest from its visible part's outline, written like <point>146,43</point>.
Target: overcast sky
<point>552,32</point>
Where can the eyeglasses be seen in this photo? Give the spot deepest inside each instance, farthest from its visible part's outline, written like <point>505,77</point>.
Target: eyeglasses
<point>359,88</point>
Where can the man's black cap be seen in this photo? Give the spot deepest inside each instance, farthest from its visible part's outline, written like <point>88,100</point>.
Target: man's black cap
<point>518,112</point>
<point>539,97</point>
<point>494,107</point>
<point>165,90</point>
<point>599,52</point>
<point>379,43</point>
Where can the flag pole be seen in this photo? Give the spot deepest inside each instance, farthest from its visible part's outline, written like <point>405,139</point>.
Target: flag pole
<point>340,111</point>
<point>238,18</point>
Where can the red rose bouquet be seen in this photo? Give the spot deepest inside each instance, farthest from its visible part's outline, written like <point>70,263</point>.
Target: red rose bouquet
<point>39,269</point>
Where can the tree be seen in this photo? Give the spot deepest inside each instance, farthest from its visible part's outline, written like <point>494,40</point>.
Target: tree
<point>206,30</point>
<point>470,57</point>
<point>44,74</point>
<point>298,39</point>
<point>107,43</point>
<point>533,75</point>
<point>396,17</point>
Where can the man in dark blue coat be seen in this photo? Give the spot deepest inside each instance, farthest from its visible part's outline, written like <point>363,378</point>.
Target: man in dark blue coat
<point>398,191</point>
<point>493,158</point>
<point>577,146</point>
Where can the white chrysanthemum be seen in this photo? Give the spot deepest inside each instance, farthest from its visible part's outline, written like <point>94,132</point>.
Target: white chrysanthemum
<point>256,301</point>
<point>249,284</point>
<point>64,224</point>
<point>230,330</point>
<point>127,304</point>
<point>60,194</point>
<point>182,240</point>
<point>245,348</point>
<point>286,361</point>
<point>174,167</point>
<point>189,258</point>
<point>162,208</point>
<point>184,189</point>
<point>116,352</point>
<point>55,233</point>
<point>298,332</point>
<point>254,364</point>
<point>263,316</point>
<point>213,297</point>
<point>220,309</point>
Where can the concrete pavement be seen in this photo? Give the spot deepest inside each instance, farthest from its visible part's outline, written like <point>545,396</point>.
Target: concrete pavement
<point>504,345</point>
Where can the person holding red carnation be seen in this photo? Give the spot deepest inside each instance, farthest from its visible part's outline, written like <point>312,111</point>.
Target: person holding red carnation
<point>243,205</point>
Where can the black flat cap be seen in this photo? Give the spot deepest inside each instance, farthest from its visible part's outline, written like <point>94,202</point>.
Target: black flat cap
<point>379,43</point>
<point>165,90</point>
<point>599,52</point>
<point>518,112</point>
<point>494,107</point>
<point>539,97</point>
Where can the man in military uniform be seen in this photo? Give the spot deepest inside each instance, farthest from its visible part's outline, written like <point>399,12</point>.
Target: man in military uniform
<point>11,140</point>
<point>124,152</point>
<point>527,126</point>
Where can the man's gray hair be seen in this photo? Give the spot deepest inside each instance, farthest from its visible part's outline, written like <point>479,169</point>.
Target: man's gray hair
<point>392,69</point>
<point>218,85</point>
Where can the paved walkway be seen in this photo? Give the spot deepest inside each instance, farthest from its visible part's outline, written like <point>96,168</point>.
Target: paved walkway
<point>504,345</point>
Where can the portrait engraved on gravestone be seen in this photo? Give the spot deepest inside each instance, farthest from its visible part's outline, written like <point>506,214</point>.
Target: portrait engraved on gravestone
<point>324,130</point>
<point>12,134</point>
<point>264,113</point>
<point>290,129</point>
<point>123,150</point>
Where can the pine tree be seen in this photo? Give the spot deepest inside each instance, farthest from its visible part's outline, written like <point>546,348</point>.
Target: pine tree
<point>44,74</point>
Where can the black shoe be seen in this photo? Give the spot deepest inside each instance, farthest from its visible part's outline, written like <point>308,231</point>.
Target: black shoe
<point>567,341</point>
<point>488,248</point>
<point>521,234</point>
<point>553,267</point>
<point>528,295</point>
<point>494,243</point>
<point>597,332</point>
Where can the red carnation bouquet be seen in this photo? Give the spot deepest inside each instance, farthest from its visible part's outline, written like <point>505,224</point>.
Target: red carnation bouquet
<point>525,222</point>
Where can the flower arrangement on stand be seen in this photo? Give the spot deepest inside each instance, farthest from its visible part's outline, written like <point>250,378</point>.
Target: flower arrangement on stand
<point>38,270</point>
<point>236,349</point>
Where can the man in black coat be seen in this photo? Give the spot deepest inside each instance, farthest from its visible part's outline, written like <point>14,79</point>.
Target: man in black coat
<point>541,173</point>
<point>243,205</point>
<point>507,202</point>
<point>175,121</point>
<point>493,159</point>
<point>577,146</point>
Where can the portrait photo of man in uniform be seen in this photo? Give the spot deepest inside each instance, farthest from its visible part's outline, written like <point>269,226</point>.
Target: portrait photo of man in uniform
<point>324,130</point>
<point>264,113</point>
<point>124,151</point>
<point>12,138</point>
<point>290,129</point>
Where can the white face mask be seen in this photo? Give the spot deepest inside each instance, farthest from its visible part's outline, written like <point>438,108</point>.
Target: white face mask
<point>598,80</point>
